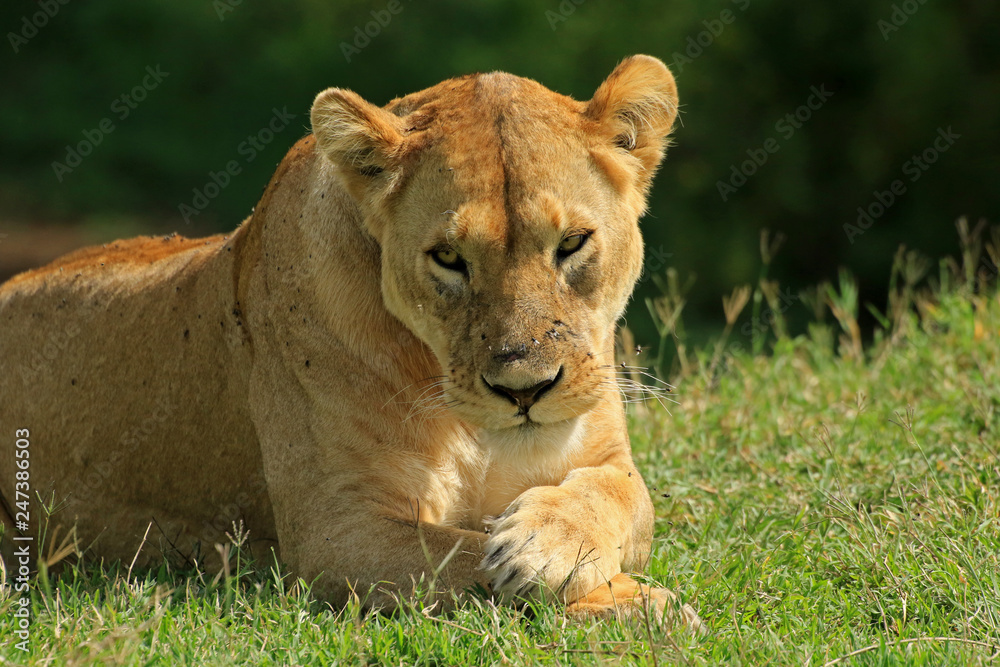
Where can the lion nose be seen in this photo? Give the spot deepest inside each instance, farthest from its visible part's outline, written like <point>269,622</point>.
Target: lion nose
<point>528,396</point>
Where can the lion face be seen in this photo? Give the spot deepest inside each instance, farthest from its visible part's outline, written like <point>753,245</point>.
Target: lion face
<point>507,217</point>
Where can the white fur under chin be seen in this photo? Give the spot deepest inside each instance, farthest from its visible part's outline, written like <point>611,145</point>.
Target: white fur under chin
<point>533,444</point>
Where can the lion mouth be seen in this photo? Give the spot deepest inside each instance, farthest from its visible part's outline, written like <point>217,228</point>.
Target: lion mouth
<point>526,397</point>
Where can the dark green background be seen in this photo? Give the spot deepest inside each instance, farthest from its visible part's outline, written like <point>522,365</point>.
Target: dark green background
<point>892,91</point>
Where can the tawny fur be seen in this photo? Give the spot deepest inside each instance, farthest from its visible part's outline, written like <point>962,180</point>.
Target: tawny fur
<point>317,376</point>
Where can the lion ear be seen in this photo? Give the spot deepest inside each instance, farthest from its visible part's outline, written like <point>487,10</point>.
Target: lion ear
<point>636,107</point>
<point>355,135</point>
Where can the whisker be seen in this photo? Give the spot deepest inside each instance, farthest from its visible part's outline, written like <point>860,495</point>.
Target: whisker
<point>433,377</point>
<point>636,392</point>
<point>640,370</point>
<point>428,411</point>
<point>429,397</point>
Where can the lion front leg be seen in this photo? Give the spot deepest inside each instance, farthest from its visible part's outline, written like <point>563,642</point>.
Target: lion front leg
<point>569,539</point>
<point>380,558</point>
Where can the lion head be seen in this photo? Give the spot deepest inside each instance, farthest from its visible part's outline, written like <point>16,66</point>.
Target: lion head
<point>507,217</point>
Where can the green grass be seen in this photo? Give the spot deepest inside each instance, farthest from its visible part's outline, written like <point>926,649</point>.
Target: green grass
<point>822,503</point>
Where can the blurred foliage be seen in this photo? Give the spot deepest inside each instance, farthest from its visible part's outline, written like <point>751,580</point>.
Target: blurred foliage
<point>230,63</point>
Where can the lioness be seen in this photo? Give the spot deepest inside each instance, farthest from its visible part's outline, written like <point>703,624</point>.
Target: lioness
<point>402,359</point>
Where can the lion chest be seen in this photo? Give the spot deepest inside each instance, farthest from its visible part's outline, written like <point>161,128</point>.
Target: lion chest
<point>481,477</point>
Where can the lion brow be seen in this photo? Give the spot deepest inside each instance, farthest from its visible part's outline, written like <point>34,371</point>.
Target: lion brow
<point>459,227</point>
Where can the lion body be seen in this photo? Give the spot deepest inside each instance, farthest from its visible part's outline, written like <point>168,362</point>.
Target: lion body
<point>117,423</point>
<point>316,377</point>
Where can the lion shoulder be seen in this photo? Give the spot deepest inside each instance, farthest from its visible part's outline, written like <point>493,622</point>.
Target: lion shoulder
<point>142,251</point>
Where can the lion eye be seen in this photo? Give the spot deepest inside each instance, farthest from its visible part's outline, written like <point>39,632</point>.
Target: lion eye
<point>449,259</point>
<point>571,244</point>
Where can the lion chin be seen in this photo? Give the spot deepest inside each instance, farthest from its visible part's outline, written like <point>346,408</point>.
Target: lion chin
<point>403,357</point>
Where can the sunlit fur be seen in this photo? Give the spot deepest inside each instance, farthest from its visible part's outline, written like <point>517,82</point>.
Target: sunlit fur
<point>328,378</point>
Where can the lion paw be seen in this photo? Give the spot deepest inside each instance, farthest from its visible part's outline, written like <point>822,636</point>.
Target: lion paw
<point>625,599</point>
<point>537,546</point>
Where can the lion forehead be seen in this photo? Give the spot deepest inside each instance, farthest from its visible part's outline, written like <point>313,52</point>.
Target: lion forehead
<point>493,128</point>
<point>503,157</point>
